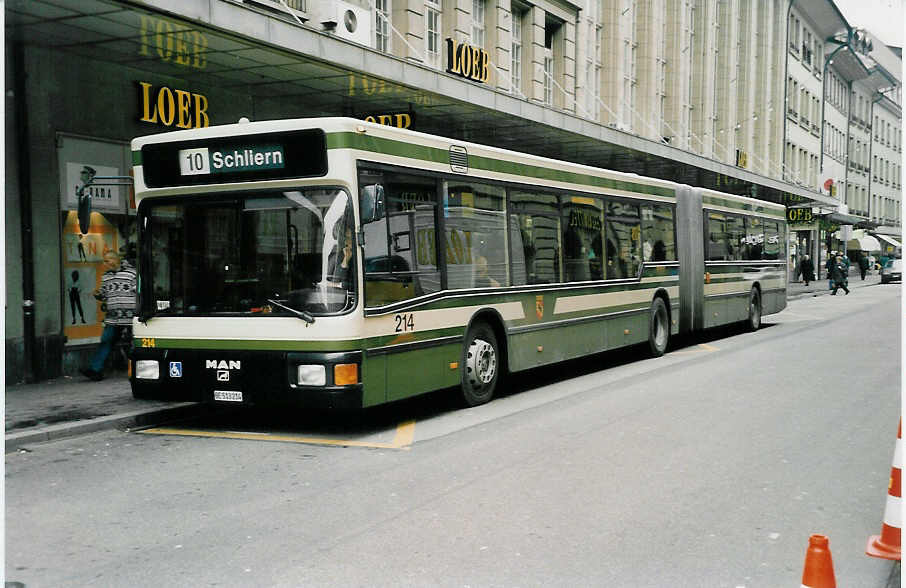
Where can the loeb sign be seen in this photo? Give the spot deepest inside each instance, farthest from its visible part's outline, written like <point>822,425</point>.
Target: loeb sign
<point>467,61</point>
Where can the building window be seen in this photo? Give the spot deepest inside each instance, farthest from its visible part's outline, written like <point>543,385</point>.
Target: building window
<point>548,76</point>
<point>630,44</point>
<point>593,65</point>
<point>382,25</point>
<point>432,33</point>
<point>478,11</point>
<point>551,30</point>
<point>516,52</point>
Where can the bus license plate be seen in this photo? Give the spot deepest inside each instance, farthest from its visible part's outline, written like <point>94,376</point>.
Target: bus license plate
<point>228,395</point>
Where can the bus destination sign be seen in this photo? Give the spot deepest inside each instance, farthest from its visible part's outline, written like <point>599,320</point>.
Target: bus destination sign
<point>253,157</point>
<point>204,160</point>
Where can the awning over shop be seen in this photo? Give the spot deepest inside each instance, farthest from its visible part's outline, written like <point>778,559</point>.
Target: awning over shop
<point>849,219</point>
<point>866,243</point>
<point>890,240</point>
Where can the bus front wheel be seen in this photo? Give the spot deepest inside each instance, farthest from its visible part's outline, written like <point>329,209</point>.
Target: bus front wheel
<point>658,327</point>
<point>480,365</point>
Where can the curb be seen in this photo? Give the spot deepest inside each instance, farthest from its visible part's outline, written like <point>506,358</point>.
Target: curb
<point>136,418</point>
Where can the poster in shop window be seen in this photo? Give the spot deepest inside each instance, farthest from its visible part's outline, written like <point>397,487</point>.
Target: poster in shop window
<point>83,257</point>
<point>103,197</point>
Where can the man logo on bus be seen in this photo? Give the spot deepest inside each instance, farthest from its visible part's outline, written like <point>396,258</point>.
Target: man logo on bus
<point>213,364</point>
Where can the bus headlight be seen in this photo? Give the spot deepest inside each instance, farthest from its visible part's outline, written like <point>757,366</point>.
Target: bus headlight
<point>311,375</point>
<point>147,369</point>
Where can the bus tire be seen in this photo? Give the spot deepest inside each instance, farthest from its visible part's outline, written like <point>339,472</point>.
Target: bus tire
<point>480,365</point>
<point>658,327</point>
<point>753,323</point>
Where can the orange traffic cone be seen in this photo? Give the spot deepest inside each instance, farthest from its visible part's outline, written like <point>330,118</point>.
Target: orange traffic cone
<point>887,544</point>
<point>819,567</point>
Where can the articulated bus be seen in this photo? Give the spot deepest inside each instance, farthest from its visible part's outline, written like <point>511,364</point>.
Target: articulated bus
<point>336,263</point>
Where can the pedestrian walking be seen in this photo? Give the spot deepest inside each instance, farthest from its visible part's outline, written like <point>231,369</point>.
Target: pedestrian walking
<point>829,266</point>
<point>863,266</point>
<point>840,276</point>
<point>807,269</point>
<point>117,293</point>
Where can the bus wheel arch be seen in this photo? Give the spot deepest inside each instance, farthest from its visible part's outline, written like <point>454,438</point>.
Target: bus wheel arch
<point>484,357</point>
<point>659,324</point>
<point>756,308</point>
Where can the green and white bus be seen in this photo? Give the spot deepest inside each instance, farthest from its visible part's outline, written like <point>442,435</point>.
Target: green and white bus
<point>337,263</point>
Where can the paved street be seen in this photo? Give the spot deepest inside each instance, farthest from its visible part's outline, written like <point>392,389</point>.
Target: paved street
<point>708,467</point>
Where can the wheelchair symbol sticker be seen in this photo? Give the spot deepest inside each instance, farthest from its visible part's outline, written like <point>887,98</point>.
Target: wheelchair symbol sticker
<point>175,369</point>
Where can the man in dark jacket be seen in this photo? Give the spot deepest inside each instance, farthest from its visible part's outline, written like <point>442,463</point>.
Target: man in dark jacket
<point>863,266</point>
<point>840,274</point>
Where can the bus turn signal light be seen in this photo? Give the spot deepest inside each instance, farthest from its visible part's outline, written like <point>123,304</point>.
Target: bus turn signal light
<point>345,374</point>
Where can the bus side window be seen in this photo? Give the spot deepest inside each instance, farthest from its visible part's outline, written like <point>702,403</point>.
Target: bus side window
<point>658,233</point>
<point>716,249</point>
<point>772,241</point>
<point>623,231</point>
<point>754,238</point>
<point>582,236</point>
<point>538,219</point>
<point>475,246</point>
<point>400,259</point>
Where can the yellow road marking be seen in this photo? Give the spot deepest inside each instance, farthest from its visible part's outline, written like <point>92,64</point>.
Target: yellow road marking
<point>405,434</point>
<point>701,347</point>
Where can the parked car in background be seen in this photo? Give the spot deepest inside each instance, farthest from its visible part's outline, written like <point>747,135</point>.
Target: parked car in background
<point>892,272</point>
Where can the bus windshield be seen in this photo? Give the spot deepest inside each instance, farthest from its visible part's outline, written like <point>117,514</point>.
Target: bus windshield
<point>262,253</point>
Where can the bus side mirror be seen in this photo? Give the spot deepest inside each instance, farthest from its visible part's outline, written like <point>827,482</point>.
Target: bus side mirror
<point>372,203</point>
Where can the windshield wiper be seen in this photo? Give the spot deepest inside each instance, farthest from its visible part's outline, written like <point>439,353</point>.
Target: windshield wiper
<point>299,313</point>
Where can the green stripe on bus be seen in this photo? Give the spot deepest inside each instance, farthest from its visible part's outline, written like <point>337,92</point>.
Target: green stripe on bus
<point>743,206</point>
<point>363,142</point>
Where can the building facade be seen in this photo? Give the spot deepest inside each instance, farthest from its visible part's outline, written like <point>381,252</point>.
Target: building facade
<point>737,96</point>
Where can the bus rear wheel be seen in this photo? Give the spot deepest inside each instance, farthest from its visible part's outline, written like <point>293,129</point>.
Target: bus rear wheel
<point>480,365</point>
<point>658,327</point>
<point>753,323</point>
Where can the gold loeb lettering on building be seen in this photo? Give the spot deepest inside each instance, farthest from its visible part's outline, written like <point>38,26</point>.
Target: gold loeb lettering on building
<point>168,106</point>
<point>467,61</point>
<point>401,121</point>
<point>173,42</point>
<point>799,215</point>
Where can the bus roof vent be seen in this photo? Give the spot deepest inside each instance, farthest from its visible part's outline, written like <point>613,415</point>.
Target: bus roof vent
<point>459,159</point>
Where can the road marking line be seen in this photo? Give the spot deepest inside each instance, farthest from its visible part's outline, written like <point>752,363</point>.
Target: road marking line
<point>405,434</point>
<point>701,348</point>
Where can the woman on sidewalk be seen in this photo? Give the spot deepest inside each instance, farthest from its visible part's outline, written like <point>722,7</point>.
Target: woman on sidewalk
<point>807,269</point>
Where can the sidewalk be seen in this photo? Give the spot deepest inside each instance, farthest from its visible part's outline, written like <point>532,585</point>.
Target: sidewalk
<point>818,288</point>
<point>73,406</point>
<point>67,407</point>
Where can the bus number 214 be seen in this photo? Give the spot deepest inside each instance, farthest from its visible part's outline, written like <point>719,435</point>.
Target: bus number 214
<point>404,322</point>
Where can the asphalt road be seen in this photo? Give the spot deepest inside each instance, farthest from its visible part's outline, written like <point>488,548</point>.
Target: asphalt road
<point>708,467</point>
